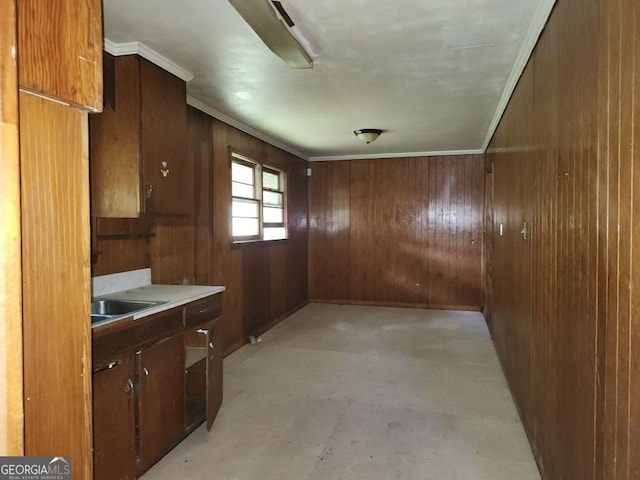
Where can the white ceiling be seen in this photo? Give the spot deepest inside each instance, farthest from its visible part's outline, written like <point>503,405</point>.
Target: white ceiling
<point>434,74</point>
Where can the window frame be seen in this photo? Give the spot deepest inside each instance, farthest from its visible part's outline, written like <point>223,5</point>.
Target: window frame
<point>259,189</point>
<point>282,180</point>
<point>247,162</point>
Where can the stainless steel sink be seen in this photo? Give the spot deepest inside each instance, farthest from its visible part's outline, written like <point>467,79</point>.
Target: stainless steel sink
<point>112,308</point>
<point>96,317</point>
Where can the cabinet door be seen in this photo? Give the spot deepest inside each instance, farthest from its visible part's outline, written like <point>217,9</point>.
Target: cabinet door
<point>161,399</point>
<point>114,431</point>
<point>166,170</point>
<point>214,373</point>
<point>60,45</point>
<point>114,142</point>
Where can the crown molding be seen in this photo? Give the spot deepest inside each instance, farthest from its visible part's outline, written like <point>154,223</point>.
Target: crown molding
<point>137,48</point>
<point>434,153</point>
<point>194,102</point>
<point>531,39</point>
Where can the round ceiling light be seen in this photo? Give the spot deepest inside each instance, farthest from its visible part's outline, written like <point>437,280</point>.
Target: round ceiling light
<point>367,135</point>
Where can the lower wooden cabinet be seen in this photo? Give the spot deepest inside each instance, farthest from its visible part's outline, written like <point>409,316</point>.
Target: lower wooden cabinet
<point>160,399</point>
<point>154,381</point>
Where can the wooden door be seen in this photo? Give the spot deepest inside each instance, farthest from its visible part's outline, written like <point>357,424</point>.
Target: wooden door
<point>114,429</point>
<point>167,173</point>
<point>161,400</point>
<point>214,373</point>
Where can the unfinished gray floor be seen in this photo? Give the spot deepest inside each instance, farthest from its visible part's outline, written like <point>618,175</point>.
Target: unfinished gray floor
<point>346,392</point>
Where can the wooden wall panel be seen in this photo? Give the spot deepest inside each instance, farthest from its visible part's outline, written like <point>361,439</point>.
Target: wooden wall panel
<point>11,404</point>
<point>563,160</point>
<point>56,281</point>
<point>122,244</point>
<point>200,151</point>
<point>404,232</point>
<point>265,281</point>
<point>173,251</point>
<point>329,238</point>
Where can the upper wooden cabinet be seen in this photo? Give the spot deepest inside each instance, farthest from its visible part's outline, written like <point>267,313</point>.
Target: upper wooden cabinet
<point>60,50</point>
<point>138,144</point>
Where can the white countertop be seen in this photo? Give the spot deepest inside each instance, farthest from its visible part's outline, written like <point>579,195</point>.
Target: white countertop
<point>173,295</point>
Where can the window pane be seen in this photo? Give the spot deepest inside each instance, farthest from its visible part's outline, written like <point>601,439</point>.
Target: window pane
<point>273,215</point>
<point>242,173</point>
<point>274,233</point>
<point>241,208</point>
<point>244,227</point>
<point>271,198</point>
<point>242,190</point>
<point>270,180</point>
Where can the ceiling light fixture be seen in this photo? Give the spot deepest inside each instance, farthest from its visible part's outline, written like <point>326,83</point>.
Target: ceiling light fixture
<point>275,28</point>
<point>367,135</point>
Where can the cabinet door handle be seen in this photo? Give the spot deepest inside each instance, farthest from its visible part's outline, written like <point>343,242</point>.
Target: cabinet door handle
<point>146,372</point>
<point>211,345</point>
<point>128,388</point>
<point>148,190</point>
<point>108,366</point>
<point>203,331</point>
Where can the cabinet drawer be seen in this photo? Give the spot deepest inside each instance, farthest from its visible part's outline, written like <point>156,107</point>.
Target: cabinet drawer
<point>130,335</point>
<point>202,310</point>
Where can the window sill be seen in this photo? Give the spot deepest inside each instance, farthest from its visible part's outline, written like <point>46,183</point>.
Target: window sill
<point>242,243</point>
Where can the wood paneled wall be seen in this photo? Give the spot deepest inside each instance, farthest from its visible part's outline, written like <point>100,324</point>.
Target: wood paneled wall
<point>565,301</point>
<point>265,282</point>
<point>403,232</point>
<point>11,404</point>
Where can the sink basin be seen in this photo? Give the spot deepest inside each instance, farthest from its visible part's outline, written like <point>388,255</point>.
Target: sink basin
<point>119,307</point>
<point>96,317</point>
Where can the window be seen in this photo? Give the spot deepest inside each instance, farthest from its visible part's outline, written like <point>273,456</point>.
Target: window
<point>273,204</point>
<point>258,201</point>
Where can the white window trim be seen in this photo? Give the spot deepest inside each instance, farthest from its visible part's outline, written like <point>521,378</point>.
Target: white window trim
<point>258,198</point>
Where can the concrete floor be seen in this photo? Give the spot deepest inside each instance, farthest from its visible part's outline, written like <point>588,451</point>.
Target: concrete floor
<point>347,392</point>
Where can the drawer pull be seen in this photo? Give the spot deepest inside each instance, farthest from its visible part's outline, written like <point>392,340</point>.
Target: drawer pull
<point>203,331</point>
<point>108,366</point>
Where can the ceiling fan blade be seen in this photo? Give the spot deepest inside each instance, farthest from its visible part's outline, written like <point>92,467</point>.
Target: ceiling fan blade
<point>262,18</point>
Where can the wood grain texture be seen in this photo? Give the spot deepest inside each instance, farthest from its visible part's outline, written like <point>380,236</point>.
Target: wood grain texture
<point>403,232</point>
<point>122,254</point>
<point>329,238</point>
<point>163,120</point>
<point>11,403</point>
<point>60,48</point>
<point>114,418</point>
<point>265,281</point>
<point>56,281</point>
<point>161,400</point>
<point>565,301</point>
<point>200,153</point>
<point>114,143</point>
